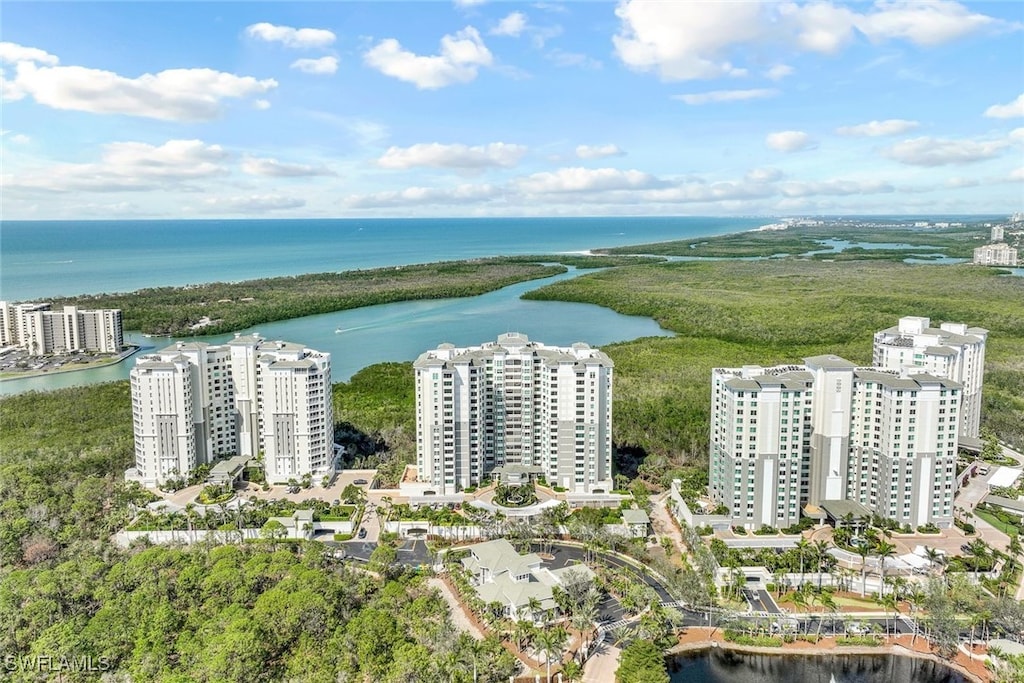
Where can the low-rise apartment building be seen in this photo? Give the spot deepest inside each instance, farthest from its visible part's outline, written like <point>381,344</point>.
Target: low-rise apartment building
<point>42,331</point>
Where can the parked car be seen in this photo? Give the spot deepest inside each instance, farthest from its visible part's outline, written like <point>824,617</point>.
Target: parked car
<point>360,482</point>
<point>362,533</point>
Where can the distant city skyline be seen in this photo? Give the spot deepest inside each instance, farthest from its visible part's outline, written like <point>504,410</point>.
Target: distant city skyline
<point>472,108</point>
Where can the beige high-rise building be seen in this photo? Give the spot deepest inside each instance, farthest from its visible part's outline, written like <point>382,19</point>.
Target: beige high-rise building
<point>515,407</point>
<point>790,436</point>
<point>951,350</point>
<point>995,255</point>
<point>194,402</point>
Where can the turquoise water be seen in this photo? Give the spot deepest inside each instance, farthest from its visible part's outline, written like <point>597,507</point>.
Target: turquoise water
<point>401,331</point>
<point>52,258</point>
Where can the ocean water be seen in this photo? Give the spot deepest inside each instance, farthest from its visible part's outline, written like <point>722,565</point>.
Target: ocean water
<point>41,259</point>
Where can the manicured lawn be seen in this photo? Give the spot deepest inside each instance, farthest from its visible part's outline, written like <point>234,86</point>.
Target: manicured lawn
<point>1008,529</point>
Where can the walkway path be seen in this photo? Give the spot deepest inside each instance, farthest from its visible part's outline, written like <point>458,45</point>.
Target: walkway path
<point>601,666</point>
<point>459,618</point>
<point>664,525</point>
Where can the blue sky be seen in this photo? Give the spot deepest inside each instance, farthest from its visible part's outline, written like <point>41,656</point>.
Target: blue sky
<point>264,109</point>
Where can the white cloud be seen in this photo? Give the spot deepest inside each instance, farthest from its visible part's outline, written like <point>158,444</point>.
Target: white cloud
<point>12,53</point>
<point>363,131</point>
<point>1017,174</point>
<point>560,57</point>
<point>255,203</point>
<point>461,54</point>
<point>598,151</point>
<point>1016,135</point>
<point>922,22</point>
<point>171,95</point>
<point>261,104</point>
<point>878,128</point>
<point>462,194</point>
<point>779,71</point>
<point>322,66</point>
<point>834,187</point>
<point>819,27</point>
<point>434,154</point>
<point>763,175</point>
<point>511,25</point>
<point>586,180</point>
<point>291,37</point>
<point>1009,110</point>
<point>276,169</point>
<point>17,138</point>
<point>789,141</point>
<point>469,3</point>
<point>826,28</point>
<point>954,183</point>
<point>683,40</point>
<point>927,151</point>
<point>130,166</point>
<point>699,192</point>
<point>726,96</point>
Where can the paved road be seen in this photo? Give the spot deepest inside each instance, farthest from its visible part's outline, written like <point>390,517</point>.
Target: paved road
<point>569,554</point>
<point>761,601</point>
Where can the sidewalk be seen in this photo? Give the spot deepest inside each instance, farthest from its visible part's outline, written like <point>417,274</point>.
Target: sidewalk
<point>600,668</point>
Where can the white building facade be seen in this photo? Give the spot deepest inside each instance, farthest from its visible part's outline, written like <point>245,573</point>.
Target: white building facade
<point>952,350</point>
<point>42,331</point>
<point>786,437</point>
<point>247,397</point>
<point>514,403</point>
<point>995,255</point>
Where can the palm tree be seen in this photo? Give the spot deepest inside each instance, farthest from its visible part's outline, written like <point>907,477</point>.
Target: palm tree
<point>523,633</point>
<point>621,633</point>
<point>802,546</point>
<point>827,602</point>
<point>822,557</point>
<point>863,550</point>
<point>884,550</point>
<point>800,600</point>
<point>887,602</point>
<point>550,642</point>
<point>190,517</point>
<point>572,672</point>
<point>916,598</point>
<point>533,604</point>
<point>933,555</point>
<point>583,620</point>
<point>898,585</point>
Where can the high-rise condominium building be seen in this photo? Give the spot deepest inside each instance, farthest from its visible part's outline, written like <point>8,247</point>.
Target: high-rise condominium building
<point>995,255</point>
<point>42,331</point>
<point>952,350</point>
<point>517,405</point>
<point>788,436</point>
<point>195,402</point>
